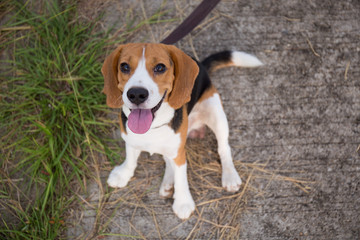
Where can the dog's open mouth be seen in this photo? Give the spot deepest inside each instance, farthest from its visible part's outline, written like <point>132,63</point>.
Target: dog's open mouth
<point>139,120</point>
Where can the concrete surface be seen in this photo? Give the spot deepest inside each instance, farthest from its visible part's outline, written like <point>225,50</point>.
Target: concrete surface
<point>298,116</point>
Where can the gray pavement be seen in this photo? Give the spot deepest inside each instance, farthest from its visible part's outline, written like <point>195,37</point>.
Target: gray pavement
<point>295,119</point>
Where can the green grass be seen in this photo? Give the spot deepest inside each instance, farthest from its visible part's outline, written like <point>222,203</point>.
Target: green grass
<point>51,109</point>
<point>50,113</point>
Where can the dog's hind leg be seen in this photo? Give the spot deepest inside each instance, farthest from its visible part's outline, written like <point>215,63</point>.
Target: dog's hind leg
<point>167,185</point>
<point>216,120</point>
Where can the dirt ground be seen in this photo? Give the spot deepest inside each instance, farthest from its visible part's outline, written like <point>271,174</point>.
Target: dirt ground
<point>294,127</point>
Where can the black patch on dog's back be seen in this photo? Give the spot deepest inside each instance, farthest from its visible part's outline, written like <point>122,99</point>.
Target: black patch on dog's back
<point>177,119</point>
<point>217,59</point>
<point>202,83</point>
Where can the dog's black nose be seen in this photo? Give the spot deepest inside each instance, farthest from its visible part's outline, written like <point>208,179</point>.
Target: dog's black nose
<point>137,95</point>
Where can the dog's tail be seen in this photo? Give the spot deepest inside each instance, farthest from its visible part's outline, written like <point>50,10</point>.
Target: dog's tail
<point>230,58</point>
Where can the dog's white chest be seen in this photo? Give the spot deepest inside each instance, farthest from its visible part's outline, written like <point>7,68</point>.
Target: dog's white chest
<point>161,140</point>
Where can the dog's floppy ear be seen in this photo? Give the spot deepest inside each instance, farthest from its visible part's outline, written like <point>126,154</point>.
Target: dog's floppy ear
<point>109,71</point>
<point>185,73</point>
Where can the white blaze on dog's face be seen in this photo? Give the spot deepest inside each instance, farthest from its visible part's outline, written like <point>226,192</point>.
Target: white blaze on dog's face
<point>141,77</point>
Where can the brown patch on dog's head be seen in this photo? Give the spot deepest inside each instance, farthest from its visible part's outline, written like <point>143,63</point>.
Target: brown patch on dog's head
<point>156,55</point>
<point>179,77</point>
<point>110,71</point>
<point>185,71</point>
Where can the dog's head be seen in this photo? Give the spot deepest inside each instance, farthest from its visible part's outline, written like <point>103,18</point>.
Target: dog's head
<point>143,76</point>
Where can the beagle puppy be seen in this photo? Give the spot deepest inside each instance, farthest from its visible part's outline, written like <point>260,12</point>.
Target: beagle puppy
<point>166,96</point>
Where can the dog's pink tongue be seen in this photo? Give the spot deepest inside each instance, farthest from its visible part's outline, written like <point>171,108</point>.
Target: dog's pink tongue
<point>139,120</point>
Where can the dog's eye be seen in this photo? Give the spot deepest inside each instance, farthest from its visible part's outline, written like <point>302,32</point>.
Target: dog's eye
<point>124,67</point>
<point>160,68</point>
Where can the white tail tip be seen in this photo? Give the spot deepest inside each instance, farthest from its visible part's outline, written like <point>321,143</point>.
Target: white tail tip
<point>243,59</point>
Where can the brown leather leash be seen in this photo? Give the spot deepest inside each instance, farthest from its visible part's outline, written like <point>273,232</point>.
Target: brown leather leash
<point>205,7</point>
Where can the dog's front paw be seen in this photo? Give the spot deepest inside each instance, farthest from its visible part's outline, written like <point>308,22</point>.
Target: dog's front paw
<point>183,209</point>
<point>119,177</point>
<point>231,180</point>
